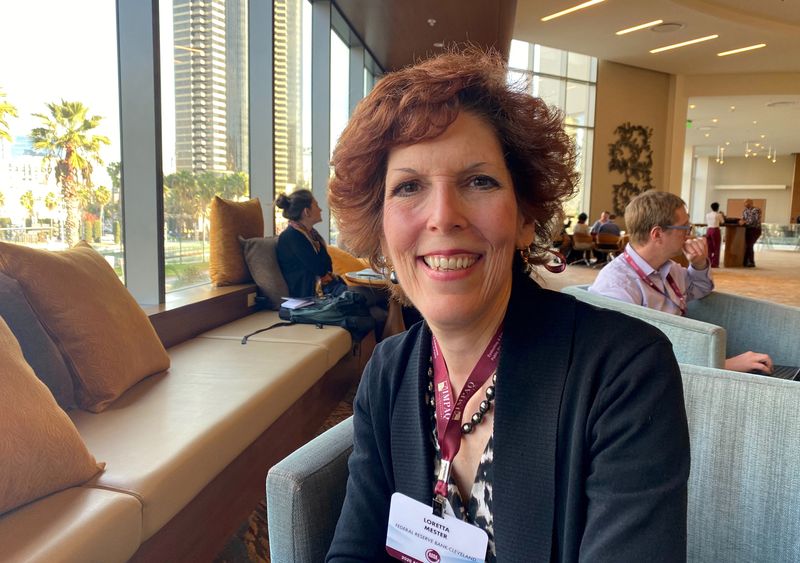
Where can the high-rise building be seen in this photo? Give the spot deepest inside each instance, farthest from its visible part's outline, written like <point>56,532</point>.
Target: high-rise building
<point>287,93</point>
<point>210,85</point>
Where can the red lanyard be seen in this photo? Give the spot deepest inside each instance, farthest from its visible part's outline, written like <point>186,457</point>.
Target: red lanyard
<point>681,304</point>
<point>450,413</point>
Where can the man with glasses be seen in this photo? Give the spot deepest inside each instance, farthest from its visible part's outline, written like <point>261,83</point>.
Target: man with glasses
<point>645,274</point>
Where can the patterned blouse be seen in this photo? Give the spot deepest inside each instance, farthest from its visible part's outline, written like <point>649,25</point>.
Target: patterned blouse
<point>752,216</point>
<point>478,511</point>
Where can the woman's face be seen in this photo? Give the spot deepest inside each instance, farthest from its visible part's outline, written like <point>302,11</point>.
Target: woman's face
<point>451,224</point>
<point>314,212</point>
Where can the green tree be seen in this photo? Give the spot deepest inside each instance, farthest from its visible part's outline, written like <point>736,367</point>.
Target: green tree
<point>102,196</point>
<point>2,199</point>
<point>27,201</point>
<point>6,109</point>
<point>70,149</point>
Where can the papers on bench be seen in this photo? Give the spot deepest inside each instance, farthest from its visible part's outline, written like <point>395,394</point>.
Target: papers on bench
<point>296,302</point>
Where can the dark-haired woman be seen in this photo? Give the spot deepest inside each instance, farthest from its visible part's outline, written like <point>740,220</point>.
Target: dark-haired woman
<point>714,219</point>
<point>302,253</point>
<point>554,428</point>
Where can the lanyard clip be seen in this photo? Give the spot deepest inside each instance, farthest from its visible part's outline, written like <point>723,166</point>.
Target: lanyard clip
<point>438,506</point>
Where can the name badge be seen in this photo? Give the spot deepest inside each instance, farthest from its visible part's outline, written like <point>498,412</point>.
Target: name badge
<point>415,535</point>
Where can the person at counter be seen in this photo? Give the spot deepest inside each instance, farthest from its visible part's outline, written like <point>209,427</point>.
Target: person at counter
<point>751,219</point>
<point>714,219</point>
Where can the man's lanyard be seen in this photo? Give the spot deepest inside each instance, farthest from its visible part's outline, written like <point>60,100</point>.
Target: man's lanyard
<point>449,413</point>
<point>681,304</point>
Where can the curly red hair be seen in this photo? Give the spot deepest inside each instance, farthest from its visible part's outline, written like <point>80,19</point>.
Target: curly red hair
<point>419,103</point>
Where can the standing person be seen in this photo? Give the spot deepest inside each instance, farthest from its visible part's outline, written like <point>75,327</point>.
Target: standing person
<point>751,219</point>
<point>645,274</point>
<point>714,219</point>
<point>578,445</point>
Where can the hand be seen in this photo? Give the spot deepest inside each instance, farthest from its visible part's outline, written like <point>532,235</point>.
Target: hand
<point>741,221</point>
<point>696,252</point>
<point>750,361</point>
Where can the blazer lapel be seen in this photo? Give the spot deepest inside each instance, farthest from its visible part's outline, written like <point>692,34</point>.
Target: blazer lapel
<point>412,451</point>
<point>534,358</point>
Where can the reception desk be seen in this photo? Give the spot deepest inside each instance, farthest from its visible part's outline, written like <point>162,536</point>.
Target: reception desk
<point>734,246</point>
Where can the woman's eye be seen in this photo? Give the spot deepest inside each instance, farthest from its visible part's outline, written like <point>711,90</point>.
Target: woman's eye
<point>483,182</point>
<point>405,189</point>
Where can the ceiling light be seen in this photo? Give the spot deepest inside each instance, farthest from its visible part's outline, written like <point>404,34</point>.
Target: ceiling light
<point>438,44</point>
<point>570,10</point>
<point>763,136</point>
<point>431,22</point>
<point>714,120</point>
<point>755,122</point>
<point>640,26</point>
<point>668,27</point>
<point>742,50</point>
<point>692,106</point>
<point>727,143</point>
<point>684,43</point>
<point>707,135</point>
<point>733,108</point>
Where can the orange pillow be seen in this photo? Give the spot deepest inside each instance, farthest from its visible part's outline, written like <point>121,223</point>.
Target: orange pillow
<point>229,221</point>
<point>344,262</point>
<point>41,451</point>
<point>106,339</point>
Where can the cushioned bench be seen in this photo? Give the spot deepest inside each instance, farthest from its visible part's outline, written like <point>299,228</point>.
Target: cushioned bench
<point>744,486</point>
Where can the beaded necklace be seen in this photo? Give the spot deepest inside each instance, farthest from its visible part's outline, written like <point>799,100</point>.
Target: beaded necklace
<point>483,408</point>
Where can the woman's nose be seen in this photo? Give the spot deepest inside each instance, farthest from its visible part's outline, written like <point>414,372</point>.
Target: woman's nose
<point>447,210</point>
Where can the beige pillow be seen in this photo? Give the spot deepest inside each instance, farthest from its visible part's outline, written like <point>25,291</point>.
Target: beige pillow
<point>106,339</point>
<point>41,451</point>
<point>229,221</point>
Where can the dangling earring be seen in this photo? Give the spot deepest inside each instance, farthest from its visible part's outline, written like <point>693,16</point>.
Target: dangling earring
<point>386,265</point>
<point>393,277</point>
<point>528,259</point>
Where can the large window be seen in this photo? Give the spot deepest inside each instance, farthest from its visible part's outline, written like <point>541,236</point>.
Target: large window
<point>567,81</point>
<point>59,97</point>
<point>204,108</point>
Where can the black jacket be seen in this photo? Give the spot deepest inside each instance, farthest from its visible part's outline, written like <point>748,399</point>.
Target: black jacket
<point>300,264</point>
<point>591,445</point>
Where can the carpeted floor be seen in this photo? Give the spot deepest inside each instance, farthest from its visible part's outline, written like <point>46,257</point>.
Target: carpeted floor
<point>775,279</point>
<point>251,543</point>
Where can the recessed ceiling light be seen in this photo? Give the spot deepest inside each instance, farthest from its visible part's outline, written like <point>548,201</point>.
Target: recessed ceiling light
<point>692,106</point>
<point>755,122</point>
<point>763,136</point>
<point>640,26</point>
<point>439,44</point>
<point>707,134</point>
<point>727,142</point>
<point>733,108</point>
<point>684,43</point>
<point>431,22</point>
<point>741,50</point>
<point>570,10</point>
<point>714,120</point>
<point>668,27</point>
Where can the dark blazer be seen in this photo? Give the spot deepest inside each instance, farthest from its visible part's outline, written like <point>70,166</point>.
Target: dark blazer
<point>591,445</point>
<point>300,264</point>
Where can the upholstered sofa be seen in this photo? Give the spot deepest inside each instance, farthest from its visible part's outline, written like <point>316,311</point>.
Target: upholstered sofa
<point>174,461</point>
<point>744,493</point>
<point>719,326</point>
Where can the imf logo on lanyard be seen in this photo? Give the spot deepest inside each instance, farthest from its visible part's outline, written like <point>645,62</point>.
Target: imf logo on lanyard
<point>433,556</point>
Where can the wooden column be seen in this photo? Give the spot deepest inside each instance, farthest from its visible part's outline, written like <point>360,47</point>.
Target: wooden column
<point>795,206</point>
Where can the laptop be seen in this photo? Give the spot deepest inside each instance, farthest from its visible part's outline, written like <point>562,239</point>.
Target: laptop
<point>781,372</point>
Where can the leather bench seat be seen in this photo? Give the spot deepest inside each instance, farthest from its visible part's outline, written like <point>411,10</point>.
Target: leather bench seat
<point>77,524</point>
<point>334,340</point>
<point>167,437</point>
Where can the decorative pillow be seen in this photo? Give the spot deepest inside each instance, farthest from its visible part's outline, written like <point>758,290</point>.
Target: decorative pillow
<point>106,339</point>
<point>230,220</point>
<point>41,451</point>
<point>40,351</point>
<point>262,259</point>
<point>344,262</point>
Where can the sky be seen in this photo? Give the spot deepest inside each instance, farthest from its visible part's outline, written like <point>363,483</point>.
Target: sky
<point>53,50</point>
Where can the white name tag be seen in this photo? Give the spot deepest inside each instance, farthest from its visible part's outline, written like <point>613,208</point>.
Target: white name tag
<point>415,535</point>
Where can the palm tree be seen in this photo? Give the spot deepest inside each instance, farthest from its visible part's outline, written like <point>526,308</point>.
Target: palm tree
<point>102,195</point>
<point>70,150</point>
<point>6,108</point>
<point>27,201</point>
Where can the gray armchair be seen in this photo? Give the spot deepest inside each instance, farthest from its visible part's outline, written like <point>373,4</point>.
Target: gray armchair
<point>744,485</point>
<point>718,326</point>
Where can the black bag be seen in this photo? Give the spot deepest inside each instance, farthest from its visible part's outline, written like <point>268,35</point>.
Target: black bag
<point>348,310</point>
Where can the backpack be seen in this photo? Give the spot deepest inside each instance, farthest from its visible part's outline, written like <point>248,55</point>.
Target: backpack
<point>348,310</point>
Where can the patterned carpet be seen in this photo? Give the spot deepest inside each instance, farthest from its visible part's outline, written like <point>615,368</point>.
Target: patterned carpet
<point>251,543</point>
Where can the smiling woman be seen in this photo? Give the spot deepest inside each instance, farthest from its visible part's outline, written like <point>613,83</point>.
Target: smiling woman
<point>453,180</point>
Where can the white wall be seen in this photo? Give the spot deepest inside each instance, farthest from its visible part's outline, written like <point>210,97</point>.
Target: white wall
<point>755,171</point>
